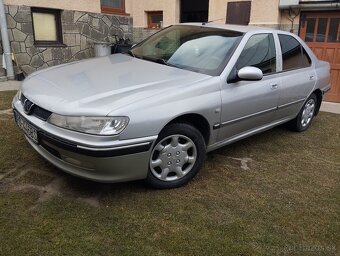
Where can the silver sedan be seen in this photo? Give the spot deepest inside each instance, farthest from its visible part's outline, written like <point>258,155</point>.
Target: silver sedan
<point>154,112</point>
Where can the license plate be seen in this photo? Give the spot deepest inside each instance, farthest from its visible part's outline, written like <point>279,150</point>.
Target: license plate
<point>28,129</point>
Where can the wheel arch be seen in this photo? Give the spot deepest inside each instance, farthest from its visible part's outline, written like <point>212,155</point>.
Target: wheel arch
<point>196,120</point>
<point>319,96</point>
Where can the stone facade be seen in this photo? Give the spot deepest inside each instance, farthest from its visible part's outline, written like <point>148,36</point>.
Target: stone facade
<point>80,30</point>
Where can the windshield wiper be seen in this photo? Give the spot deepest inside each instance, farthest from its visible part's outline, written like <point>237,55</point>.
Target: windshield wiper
<point>131,53</point>
<point>159,60</point>
<point>163,61</point>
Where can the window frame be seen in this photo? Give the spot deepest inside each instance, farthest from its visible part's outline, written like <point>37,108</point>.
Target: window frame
<point>112,10</point>
<point>149,18</point>
<point>303,50</point>
<point>49,43</point>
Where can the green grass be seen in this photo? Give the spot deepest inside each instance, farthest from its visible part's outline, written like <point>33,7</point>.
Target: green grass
<point>6,99</point>
<point>288,203</point>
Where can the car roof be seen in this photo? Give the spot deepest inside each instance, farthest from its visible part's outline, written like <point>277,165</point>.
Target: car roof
<point>238,28</point>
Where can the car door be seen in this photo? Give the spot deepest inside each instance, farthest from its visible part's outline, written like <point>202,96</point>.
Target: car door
<point>248,105</point>
<point>298,77</point>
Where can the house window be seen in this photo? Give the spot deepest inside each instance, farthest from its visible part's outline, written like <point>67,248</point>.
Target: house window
<point>47,27</point>
<point>238,13</point>
<point>113,6</point>
<point>155,19</point>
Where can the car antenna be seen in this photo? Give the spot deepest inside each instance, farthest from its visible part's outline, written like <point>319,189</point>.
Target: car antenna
<point>210,21</point>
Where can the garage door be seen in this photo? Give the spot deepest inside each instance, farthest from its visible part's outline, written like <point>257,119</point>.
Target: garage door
<point>321,31</point>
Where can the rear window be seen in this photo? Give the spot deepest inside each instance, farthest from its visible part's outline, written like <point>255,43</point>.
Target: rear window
<point>294,56</point>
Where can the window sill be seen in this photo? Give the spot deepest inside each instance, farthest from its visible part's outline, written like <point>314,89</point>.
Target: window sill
<point>47,45</point>
<point>114,12</point>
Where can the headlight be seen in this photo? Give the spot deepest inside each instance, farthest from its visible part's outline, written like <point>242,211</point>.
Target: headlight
<point>19,95</point>
<point>91,125</point>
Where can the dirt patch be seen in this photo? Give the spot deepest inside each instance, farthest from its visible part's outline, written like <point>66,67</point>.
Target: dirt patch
<point>244,162</point>
<point>45,183</point>
<point>92,201</point>
<point>6,99</point>
<point>37,178</point>
<point>6,112</point>
<point>230,162</point>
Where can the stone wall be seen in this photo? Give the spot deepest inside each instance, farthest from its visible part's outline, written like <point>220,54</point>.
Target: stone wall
<point>139,34</point>
<point>80,31</point>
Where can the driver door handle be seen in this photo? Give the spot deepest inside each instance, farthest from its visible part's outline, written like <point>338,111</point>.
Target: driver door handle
<point>274,86</point>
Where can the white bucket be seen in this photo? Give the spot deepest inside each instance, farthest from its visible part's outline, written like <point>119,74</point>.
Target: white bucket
<point>102,49</point>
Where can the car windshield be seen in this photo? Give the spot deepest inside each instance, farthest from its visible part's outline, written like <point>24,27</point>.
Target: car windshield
<point>196,48</point>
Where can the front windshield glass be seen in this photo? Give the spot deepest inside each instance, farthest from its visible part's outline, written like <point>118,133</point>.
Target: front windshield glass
<point>197,48</point>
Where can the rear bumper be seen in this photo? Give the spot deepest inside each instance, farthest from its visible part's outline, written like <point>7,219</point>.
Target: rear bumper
<point>325,90</point>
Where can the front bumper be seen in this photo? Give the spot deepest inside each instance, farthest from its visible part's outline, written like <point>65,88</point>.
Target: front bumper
<point>102,169</point>
<point>106,159</point>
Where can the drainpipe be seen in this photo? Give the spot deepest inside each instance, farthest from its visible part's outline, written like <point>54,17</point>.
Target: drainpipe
<point>5,42</point>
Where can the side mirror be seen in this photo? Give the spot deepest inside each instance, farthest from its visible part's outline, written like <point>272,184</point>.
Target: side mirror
<point>250,74</point>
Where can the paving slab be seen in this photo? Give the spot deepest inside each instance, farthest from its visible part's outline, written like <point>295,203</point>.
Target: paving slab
<point>331,107</point>
<point>9,85</point>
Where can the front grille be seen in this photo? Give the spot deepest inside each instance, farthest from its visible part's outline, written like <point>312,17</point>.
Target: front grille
<point>37,111</point>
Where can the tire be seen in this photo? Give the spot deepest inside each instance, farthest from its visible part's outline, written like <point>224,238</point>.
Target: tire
<point>305,117</point>
<point>177,156</point>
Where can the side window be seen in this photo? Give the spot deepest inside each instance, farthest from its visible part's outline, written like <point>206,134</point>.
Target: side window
<point>294,56</point>
<point>306,61</point>
<point>259,52</point>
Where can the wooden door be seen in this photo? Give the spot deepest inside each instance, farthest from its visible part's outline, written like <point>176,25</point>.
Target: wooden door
<point>321,32</point>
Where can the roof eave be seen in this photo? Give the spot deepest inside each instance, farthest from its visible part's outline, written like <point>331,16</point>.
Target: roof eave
<point>319,6</point>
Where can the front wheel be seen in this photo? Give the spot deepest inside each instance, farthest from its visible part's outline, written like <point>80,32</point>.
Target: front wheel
<point>305,117</point>
<point>177,156</point>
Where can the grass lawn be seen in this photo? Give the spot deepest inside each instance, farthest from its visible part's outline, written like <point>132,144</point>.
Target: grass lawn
<point>6,99</point>
<point>277,193</point>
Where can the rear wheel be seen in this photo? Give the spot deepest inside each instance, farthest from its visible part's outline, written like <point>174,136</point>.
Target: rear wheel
<point>177,157</point>
<point>305,117</point>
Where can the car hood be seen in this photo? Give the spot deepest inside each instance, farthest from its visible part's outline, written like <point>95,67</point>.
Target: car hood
<point>99,86</point>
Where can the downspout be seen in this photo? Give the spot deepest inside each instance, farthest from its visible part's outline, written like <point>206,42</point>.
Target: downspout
<point>5,42</point>
<point>292,17</point>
